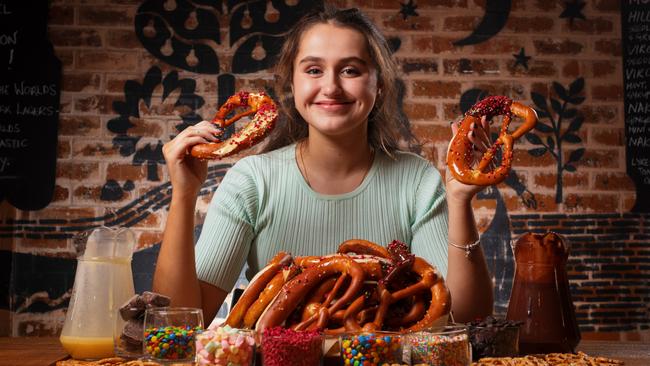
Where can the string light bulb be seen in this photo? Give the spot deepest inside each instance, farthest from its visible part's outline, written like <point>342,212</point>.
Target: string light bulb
<point>246,20</point>
<point>259,53</point>
<point>167,48</point>
<point>170,5</point>
<point>192,21</point>
<point>149,30</point>
<point>191,58</point>
<point>272,14</point>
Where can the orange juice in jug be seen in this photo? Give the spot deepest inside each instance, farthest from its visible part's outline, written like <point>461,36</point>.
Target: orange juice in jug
<point>88,347</point>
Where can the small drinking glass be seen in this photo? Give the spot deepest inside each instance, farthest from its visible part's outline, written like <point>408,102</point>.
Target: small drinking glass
<point>169,333</point>
<point>376,347</point>
<point>441,346</point>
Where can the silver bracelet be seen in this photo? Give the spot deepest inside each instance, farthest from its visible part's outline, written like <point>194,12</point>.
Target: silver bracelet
<point>467,248</point>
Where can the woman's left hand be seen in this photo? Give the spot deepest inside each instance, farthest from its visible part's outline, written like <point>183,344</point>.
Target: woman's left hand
<point>479,136</point>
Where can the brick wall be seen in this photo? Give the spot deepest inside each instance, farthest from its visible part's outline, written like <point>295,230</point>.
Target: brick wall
<point>608,268</point>
<point>107,69</point>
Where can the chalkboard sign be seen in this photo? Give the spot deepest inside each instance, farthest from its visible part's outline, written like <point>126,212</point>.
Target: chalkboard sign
<point>635,23</point>
<point>30,77</point>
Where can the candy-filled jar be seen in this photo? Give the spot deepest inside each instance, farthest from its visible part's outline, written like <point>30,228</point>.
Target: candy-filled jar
<point>225,346</point>
<point>285,346</point>
<point>169,333</point>
<point>540,297</point>
<point>371,348</point>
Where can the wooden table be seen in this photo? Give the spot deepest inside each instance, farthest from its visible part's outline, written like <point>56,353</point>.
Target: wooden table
<point>36,351</point>
<point>30,351</point>
<point>633,353</point>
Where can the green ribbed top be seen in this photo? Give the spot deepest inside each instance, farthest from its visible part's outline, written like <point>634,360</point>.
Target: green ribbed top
<point>263,206</point>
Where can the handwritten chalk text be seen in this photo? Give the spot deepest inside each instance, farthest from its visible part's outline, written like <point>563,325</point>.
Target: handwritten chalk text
<point>9,39</point>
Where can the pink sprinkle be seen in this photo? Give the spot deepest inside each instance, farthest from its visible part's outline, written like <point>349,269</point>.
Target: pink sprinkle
<point>282,346</point>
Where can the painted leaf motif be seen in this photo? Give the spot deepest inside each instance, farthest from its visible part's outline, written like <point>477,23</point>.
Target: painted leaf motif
<point>533,139</point>
<point>560,91</point>
<point>576,86</point>
<point>539,101</point>
<point>576,155</point>
<point>550,142</point>
<point>140,95</point>
<point>542,127</point>
<point>151,79</point>
<point>576,123</point>
<point>569,113</point>
<point>569,168</point>
<point>126,144</point>
<point>169,83</point>
<point>557,106</point>
<point>571,138</point>
<point>470,97</point>
<point>537,152</point>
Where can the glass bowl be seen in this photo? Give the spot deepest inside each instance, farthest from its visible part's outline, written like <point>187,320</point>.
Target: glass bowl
<point>225,346</point>
<point>169,333</point>
<point>281,347</point>
<point>494,340</point>
<point>440,346</point>
<point>376,348</point>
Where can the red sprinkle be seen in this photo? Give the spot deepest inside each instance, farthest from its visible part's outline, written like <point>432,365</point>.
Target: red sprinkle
<point>490,107</point>
<point>282,347</point>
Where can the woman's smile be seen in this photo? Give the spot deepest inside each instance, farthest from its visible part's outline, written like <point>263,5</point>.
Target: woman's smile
<point>334,105</point>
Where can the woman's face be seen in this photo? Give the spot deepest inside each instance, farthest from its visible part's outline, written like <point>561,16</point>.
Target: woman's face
<point>334,80</point>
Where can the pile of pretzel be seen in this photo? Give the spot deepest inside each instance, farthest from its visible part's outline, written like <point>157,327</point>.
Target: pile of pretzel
<point>113,361</point>
<point>364,286</point>
<point>550,359</point>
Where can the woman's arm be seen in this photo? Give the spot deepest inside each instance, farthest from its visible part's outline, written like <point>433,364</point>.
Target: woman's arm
<point>175,273</point>
<point>468,278</point>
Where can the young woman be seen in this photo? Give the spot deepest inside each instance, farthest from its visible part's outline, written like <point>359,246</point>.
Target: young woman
<point>332,172</point>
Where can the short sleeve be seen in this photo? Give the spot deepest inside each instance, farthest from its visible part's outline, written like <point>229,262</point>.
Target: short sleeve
<point>227,232</point>
<point>430,225</point>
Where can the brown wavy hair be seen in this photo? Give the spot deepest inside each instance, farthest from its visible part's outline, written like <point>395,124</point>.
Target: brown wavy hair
<point>384,118</point>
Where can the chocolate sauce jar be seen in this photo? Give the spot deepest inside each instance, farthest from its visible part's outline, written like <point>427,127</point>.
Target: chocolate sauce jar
<point>540,297</point>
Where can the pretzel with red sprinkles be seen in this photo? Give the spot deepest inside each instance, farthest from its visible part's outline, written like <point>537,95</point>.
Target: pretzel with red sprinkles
<point>403,262</point>
<point>266,113</point>
<point>460,154</point>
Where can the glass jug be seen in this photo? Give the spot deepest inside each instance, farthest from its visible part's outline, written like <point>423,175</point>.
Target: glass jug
<point>540,296</point>
<point>103,282</point>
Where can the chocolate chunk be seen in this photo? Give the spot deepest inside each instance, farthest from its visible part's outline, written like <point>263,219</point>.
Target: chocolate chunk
<point>133,332</point>
<point>130,345</point>
<point>492,337</point>
<point>132,308</point>
<point>154,300</point>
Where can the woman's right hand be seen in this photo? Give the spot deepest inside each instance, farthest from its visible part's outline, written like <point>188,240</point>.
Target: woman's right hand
<point>187,173</point>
